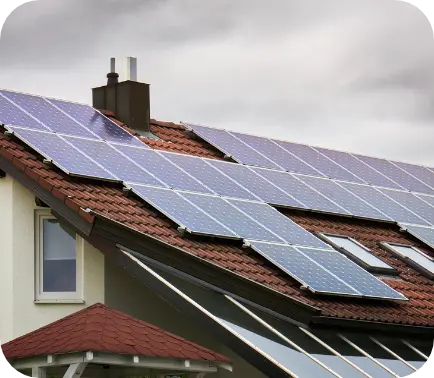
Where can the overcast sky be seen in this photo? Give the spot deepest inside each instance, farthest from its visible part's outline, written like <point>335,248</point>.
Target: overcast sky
<point>355,75</point>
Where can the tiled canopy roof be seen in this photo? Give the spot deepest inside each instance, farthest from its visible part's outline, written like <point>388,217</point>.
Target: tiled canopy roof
<point>99,328</point>
<point>111,201</point>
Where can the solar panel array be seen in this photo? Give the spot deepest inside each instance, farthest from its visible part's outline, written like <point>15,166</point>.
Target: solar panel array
<point>218,198</point>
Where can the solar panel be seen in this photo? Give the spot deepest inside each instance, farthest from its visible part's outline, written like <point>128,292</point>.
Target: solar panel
<point>256,184</point>
<point>62,154</point>
<point>231,146</point>
<point>425,234</point>
<point>280,156</point>
<point>181,211</point>
<point>318,161</point>
<point>12,115</point>
<point>352,274</point>
<point>231,217</point>
<point>281,225</point>
<point>161,168</point>
<point>421,173</point>
<point>381,202</point>
<point>97,123</point>
<point>113,161</point>
<point>301,192</point>
<point>362,170</point>
<point>302,268</point>
<point>426,198</point>
<point>410,201</point>
<point>342,197</point>
<point>396,174</point>
<point>207,175</point>
<point>49,115</point>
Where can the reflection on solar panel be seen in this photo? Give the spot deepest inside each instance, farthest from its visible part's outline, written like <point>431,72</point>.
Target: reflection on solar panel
<point>232,146</point>
<point>231,217</point>
<point>421,173</point>
<point>426,234</point>
<point>342,197</point>
<point>410,201</point>
<point>158,166</point>
<point>207,175</point>
<point>302,268</point>
<point>301,192</point>
<point>318,161</point>
<point>62,154</point>
<point>352,274</point>
<point>96,122</point>
<point>47,114</point>
<point>396,174</point>
<point>362,170</point>
<point>257,185</point>
<point>279,155</point>
<point>276,222</point>
<point>113,161</point>
<point>11,115</point>
<point>181,211</point>
<point>377,199</point>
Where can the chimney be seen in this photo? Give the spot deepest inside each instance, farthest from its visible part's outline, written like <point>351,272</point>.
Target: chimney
<point>129,100</point>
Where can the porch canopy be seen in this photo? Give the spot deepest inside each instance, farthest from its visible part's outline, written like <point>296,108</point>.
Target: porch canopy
<point>102,342</point>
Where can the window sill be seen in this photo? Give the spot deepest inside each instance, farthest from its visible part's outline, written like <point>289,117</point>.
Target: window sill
<point>59,301</point>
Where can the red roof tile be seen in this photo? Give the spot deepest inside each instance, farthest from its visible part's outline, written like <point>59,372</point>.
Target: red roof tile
<point>111,202</point>
<point>101,329</point>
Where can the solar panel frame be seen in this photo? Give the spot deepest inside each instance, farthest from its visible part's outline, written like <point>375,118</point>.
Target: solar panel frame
<point>184,208</point>
<point>62,163</point>
<point>307,269</point>
<point>418,171</point>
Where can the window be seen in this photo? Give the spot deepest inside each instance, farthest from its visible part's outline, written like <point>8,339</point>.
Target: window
<point>414,257</point>
<point>358,253</point>
<point>58,259</point>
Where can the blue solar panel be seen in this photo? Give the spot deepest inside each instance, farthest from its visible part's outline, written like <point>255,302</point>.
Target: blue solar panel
<point>421,173</point>
<point>410,201</point>
<point>97,123</point>
<point>49,115</point>
<point>161,168</point>
<point>301,192</point>
<point>256,184</point>
<point>390,208</point>
<point>318,161</point>
<point>425,234</point>
<point>113,161</point>
<point>181,211</point>
<point>207,175</point>
<point>426,198</point>
<point>62,154</point>
<point>342,197</point>
<point>280,156</point>
<point>352,274</point>
<point>362,170</point>
<point>12,115</point>
<point>232,146</point>
<point>301,268</point>
<point>231,217</point>
<point>396,174</point>
<point>281,225</point>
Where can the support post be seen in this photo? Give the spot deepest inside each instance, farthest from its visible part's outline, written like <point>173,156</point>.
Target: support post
<point>75,370</point>
<point>39,372</point>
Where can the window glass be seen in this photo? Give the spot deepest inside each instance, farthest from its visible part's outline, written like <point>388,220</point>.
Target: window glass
<point>358,252</point>
<point>59,258</point>
<point>413,254</point>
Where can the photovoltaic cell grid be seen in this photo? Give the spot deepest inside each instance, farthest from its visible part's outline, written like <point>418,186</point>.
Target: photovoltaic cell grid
<point>325,271</point>
<point>425,234</point>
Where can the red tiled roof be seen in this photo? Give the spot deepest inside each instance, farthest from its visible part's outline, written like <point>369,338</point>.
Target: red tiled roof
<point>112,203</point>
<point>101,329</point>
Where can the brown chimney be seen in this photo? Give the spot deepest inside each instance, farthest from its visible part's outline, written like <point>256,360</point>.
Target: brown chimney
<point>129,100</point>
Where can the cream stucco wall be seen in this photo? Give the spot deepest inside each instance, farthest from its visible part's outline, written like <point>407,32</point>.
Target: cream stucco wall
<point>19,313</point>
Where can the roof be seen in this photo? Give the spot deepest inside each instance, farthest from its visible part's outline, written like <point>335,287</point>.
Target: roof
<point>111,201</point>
<point>101,329</point>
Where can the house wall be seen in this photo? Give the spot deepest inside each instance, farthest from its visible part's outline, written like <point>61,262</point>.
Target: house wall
<point>19,314</point>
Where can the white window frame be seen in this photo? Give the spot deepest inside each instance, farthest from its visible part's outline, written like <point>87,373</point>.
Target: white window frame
<point>412,263</point>
<point>55,297</point>
<point>355,258</point>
